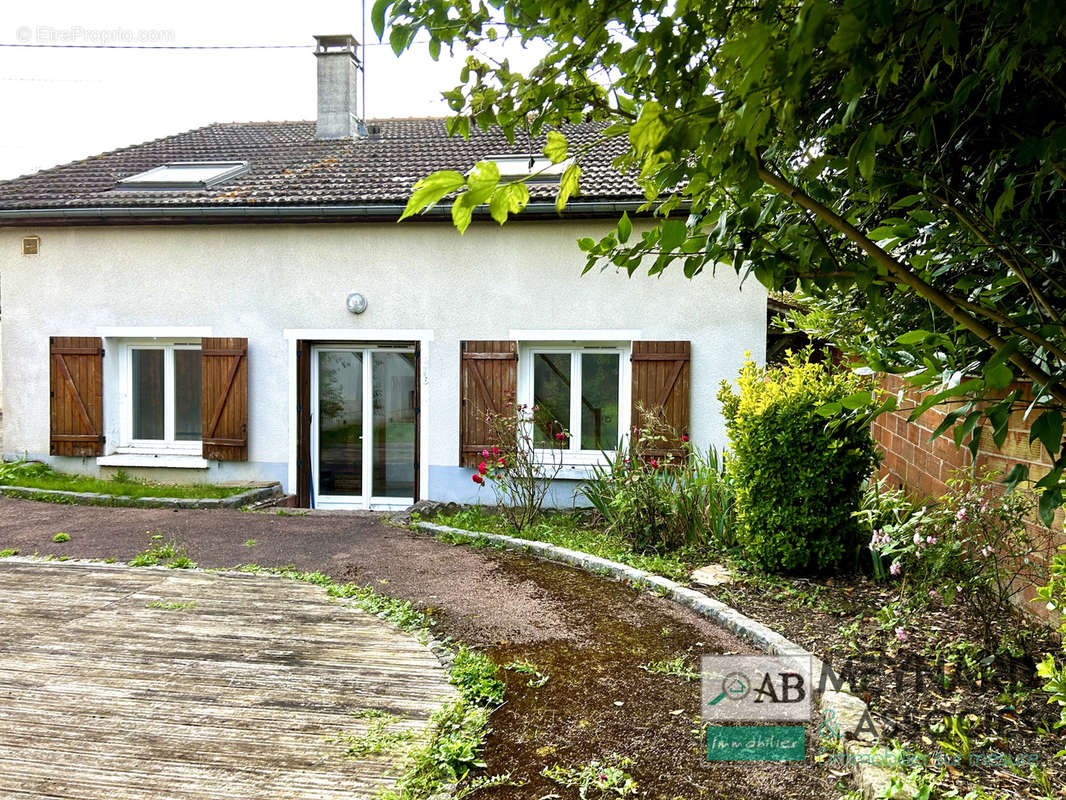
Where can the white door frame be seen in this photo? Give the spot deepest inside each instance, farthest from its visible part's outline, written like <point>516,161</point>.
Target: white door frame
<point>345,335</point>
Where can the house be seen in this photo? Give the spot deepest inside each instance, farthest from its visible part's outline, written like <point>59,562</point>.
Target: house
<point>238,302</point>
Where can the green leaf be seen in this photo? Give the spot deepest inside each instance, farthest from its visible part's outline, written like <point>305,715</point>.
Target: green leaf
<point>434,48</point>
<point>482,180</point>
<point>673,234</point>
<point>463,212</point>
<point>913,337</point>
<point>568,186</point>
<point>431,189</point>
<point>1018,473</point>
<point>377,16</point>
<point>1048,429</point>
<point>828,410</point>
<point>508,199</point>
<point>586,244</point>
<point>856,400</point>
<point>1050,499</point>
<point>556,147</point>
<point>646,133</point>
<point>625,228</point>
<point>998,376</point>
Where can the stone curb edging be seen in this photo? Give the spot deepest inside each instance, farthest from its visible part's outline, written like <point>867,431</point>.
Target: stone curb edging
<point>872,780</point>
<point>255,495</point>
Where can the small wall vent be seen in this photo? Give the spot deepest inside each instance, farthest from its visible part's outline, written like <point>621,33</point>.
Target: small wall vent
<point>31,245</point>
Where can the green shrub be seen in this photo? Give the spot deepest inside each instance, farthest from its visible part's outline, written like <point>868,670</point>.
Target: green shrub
<point>798,474</point>
<point>1052,671</point>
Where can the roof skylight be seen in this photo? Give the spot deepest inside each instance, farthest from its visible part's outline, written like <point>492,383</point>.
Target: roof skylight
<point>185,175</point>
<point>536,168</point>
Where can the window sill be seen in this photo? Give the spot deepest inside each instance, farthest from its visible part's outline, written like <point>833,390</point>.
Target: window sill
<point>156,460</point>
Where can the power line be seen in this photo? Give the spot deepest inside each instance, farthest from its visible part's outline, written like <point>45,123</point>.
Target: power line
<point>178,47</point>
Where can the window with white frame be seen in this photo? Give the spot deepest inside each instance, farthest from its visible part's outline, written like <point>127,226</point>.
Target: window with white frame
<point>582,389</point>
<point>161,396</point>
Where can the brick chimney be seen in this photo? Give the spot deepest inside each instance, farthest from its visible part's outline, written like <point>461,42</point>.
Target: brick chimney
<point>338,67</point>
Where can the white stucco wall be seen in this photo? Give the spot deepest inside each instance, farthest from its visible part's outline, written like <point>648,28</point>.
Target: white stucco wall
<point>258,281</point>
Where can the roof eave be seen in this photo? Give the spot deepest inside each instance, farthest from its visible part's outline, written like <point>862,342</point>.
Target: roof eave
<point>246,214</point>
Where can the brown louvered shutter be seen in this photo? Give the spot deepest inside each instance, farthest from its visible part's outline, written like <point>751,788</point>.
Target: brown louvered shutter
<point>488,380</point>
<point>77,396</point>
<point>661,382</point>
<point>225,399</point>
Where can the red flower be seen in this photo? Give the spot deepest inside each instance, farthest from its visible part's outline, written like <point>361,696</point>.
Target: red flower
<point>654,464</point>
<point>560,436</point>
<point>501,462</point>
<point>495,450</point>
<point>482,467</point>
<point>477,479</point>
<point>684,437</point>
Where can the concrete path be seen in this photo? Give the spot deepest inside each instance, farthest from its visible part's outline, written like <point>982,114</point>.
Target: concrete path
<point>123,682</point>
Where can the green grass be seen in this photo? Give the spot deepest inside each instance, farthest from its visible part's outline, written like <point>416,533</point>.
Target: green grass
<point>163,554</point>
<point>33,475</point>
<point>59,538</point>
<point>165,606</point>
<point>569,531</point>
<point>8,553</point>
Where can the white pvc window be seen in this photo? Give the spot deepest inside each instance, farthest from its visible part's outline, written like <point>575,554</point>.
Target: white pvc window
<point>161,384</point>
<point>580,390</point>
<point>185,175</point>
<point>536,168</point>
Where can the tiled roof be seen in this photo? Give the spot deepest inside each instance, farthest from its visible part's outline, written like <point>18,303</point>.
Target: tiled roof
<point>289,167</point>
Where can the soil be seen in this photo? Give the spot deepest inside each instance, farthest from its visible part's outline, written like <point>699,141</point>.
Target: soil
<point>591,636</point>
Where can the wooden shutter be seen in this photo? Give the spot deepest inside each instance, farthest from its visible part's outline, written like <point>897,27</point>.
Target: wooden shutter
<point>661,382</point>
<point>488,381</point>
<point>77,396</point>
<point>225,399</point>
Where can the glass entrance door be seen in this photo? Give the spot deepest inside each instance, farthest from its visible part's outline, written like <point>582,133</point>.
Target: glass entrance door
<point>363,437</point>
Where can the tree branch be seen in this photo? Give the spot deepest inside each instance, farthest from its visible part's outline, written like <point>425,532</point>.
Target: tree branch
<point>909,279</point>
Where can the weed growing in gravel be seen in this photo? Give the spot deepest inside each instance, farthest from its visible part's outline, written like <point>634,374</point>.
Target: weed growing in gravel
<point>8,553</point>
<point>251,542</point>
<point>475,676</point>
<point>606,778</point>
<point>165,606</point>
<point>676,667</point>
<point>167,554</point>
<point>537,678</point>
<point>59,538</point>
<point>487,782</point>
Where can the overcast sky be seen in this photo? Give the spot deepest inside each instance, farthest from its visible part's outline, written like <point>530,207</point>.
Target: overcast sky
<point>63,105</point>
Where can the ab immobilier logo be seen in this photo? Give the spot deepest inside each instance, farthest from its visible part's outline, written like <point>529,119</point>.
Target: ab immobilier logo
<point>756,689</point>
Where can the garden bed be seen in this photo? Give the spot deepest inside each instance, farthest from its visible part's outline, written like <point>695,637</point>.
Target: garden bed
<point>936,694</point>
<point>37,481</point>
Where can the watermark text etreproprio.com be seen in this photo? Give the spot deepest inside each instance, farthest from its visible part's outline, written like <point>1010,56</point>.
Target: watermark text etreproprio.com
<point>79,34</point>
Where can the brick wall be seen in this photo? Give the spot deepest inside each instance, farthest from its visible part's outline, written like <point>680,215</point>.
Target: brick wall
<point>911,461</point>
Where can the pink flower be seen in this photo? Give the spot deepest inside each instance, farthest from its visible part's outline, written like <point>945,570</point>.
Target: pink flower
<point>986,551</point>
<point>484,453</point>
<point>961,516</point>
<point>895,569</point>
<point>901,634</point>
<point>654,464</point>
<point>477,479</point>
<point>934,595</point>
<point>482,467</point>
<point>930,540</point>
<point>917,538</point>
<point>560,436</point>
